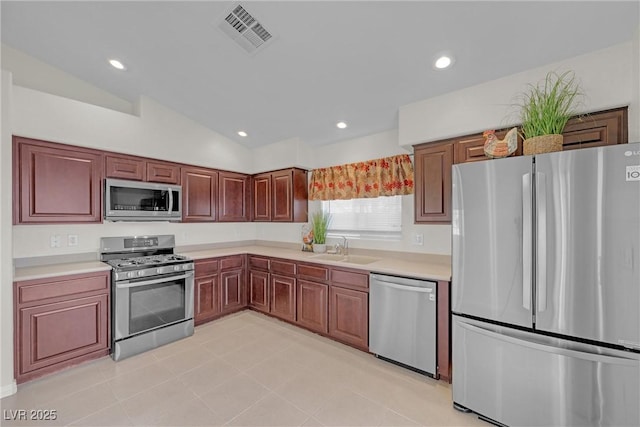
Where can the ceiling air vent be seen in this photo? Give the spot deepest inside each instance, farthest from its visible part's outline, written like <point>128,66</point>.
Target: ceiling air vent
<point>242,27</point>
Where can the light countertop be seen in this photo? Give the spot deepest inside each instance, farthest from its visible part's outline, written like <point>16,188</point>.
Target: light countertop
<point>421,266</point>
<point>62,269</point>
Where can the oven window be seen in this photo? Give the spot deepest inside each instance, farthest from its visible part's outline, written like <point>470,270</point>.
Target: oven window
<point>156,305</point>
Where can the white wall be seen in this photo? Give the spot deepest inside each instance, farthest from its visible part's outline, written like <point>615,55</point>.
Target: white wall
<point>607,76</point>
<point>30,72</point>
<point>292,152</point>
<point>7,383</point>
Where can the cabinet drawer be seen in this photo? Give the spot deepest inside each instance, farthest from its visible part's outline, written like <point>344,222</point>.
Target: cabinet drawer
<point>315,272</point>
<point>258,263</point>
<point>167,173</point>
<point>231,262</point>
<point>43,289</point>
<point>350,279</point>
<point>124,167</point>
<point>206,267</point>
<point>283,267</point>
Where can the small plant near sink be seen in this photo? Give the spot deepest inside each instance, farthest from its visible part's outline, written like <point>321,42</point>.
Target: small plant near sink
<point>320,221</point>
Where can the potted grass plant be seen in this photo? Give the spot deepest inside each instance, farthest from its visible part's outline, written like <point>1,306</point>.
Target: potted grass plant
<point>545,109</point>
<point>320,225</point>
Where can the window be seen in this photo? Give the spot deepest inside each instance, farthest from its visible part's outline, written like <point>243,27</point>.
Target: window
<point>373,218</point>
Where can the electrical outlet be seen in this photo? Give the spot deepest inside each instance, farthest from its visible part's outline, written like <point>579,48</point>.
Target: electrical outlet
<point>54,241</point>
<point>72,240</point>
<point>418,239</point>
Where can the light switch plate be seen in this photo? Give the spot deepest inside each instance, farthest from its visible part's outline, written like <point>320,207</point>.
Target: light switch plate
<point>54,241</point>
<point>72,240</point>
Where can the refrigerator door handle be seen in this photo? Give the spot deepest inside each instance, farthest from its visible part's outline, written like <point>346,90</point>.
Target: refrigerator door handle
<point>563,351</point>
<point>527,239</point>
<point>541,242</point>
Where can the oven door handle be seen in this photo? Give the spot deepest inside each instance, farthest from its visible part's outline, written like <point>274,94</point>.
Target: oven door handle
<point>153,281</point>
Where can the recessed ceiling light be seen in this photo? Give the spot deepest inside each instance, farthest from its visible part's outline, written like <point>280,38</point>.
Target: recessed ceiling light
<point>116,64</point>
<point>443,61</point>
<point>341,125</point>
<point>242,133</point>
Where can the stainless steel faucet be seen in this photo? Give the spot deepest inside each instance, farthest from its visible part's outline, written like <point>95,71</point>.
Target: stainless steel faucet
<point>345,246</point>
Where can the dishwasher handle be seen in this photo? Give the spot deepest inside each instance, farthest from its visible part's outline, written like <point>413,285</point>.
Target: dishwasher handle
<point>404,284</point>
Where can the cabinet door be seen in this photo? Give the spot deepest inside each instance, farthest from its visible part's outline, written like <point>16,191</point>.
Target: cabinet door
<point>233,295</point>
<point>433,183</point>
<point>596,129</point>
<point>124,167</point>
<point>312,307</point>
<point>349,316</point>
<point>207,298</point>
<point>50,334</point>
<point>283,297</point>
<point>282,185</point>
<point>262,197</point>
<point>233,197</point>
<point>199,190</point>
<point>164,172</point>
<point>54,183</point>
<point>259,290</point>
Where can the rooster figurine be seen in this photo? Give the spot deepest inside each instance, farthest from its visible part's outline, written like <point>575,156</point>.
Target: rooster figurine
<point>496,148</point>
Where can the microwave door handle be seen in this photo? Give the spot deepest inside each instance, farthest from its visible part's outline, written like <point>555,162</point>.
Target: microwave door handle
<point>170,201</point>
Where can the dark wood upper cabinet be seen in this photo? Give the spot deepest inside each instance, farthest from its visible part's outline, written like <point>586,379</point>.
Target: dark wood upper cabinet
<point>56,183</point>
<point>433,182</point>
<point>140,169</point>
<point>597,129</point>
<point>199,191</point>
<point>164,172</point>
<point>470,148</point>
<point>124,167</point>
<point>261,197</point>
<point>280,196</point>
<point>233,197</point>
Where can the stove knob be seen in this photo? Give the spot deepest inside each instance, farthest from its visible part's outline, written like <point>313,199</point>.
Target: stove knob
<point>176,268</point>
<point>185,266</point>
<point>131,274</point>
<point>140,273</point>
<point>159,270</point>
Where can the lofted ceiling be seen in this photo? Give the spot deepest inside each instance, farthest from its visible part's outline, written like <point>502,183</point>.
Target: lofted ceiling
<point>327,60</point>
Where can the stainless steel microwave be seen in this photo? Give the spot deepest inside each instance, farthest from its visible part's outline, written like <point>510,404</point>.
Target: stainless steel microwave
<point>141,201</point>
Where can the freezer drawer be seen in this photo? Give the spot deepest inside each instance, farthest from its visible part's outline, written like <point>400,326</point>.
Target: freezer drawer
<point>402,321</point>
<point>520,378</point>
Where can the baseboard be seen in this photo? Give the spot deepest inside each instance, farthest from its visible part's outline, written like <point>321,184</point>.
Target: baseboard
<point>9,389</point>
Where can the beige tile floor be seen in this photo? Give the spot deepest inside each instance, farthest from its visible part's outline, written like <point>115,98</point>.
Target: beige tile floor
<point>243,370</point>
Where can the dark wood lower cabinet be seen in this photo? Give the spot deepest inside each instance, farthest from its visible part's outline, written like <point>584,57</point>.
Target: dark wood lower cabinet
<point>444,331</point>
<point>259,290</point>
<point>60,321</point>
<point>283,297</point>
<point>312,306</point>
<point>206,298</point>
<point>349,316</point>
<point>233,295</point>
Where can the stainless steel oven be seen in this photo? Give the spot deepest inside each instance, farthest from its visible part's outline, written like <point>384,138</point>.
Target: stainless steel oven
<point>152,293</point>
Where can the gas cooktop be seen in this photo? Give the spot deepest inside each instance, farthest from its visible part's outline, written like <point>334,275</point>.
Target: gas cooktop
<point>147,261</point>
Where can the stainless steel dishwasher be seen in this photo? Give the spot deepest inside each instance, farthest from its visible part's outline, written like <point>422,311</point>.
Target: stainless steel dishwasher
<point>402,321</point>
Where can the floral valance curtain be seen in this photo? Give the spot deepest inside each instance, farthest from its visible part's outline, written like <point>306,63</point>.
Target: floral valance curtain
<point>389,176</point>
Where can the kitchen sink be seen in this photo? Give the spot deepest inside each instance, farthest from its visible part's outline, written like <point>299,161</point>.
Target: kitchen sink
<point>351,259</point>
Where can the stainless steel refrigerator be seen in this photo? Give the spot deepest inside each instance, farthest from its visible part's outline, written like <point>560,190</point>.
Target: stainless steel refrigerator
<point>546,288</point>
